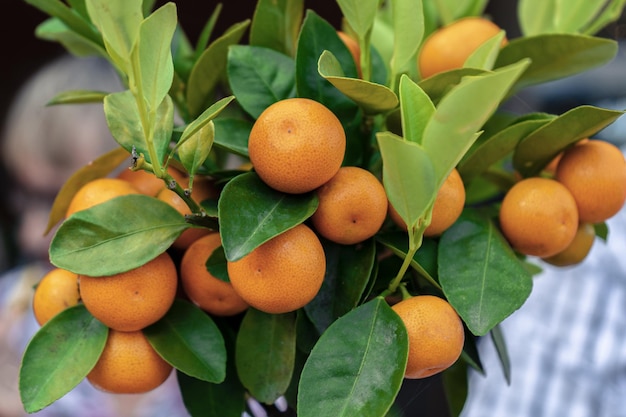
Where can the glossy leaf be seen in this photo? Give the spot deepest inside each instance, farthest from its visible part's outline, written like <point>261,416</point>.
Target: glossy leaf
<point>232,135</point>
<point>496,148</point>
<point>206,117</point>
<point>371,97</point>
<point>480,274</point>
<point>536,16</point>
<point>55,30</point>
<point>555,56</point>
<point>260,77</point>
<point>360,14</point>
<point>573,15</point>
<point>265,353</point>
<point>357,366</point>
<point>455,384</point>
<point>276,25</point>
<point>461,113</point>
<point>408,33</point>
<point>116,236</point>
<point>408,177</point>
<point>203,398</point>
<point>153,56</point>
<point>59,357</point>
<point>98,168</point>
<point>611,13</point>
<point>536,150</point>
<point>196,148</point>
<point>416,110</point>
<point>216,264</point>
<point>189,340</point>
<point>210,67</point>
<point>316,36</point>
<point>440,84</point>
<point>484,57</point>
<point>348,268</point>
<point>252,213</point>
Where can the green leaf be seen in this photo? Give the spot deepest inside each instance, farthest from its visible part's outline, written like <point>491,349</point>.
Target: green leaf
<point>265,353</point>
<point>360,14</point>
<point>348,268</point>
<point>496,148</point>
<point>196,148</point>
<point>189,340</point>
<point>611,13</point>
<point>78,97</point>
<point>203,398</point>
<point>276,25</point>
<point>408,177</point>
<point>455,384</point>
<point>98,168</point>
<point>74,21</point>
<point>55,30</point>
<point>438,85</point>
<point>217,265</point>
<point>460,114</point>
<point>408,33</point>
<point>479,273</point>
<point>484,57</point>
<point>209,69</point>
<point>357,366</point>
<point>537,149</point>
<point>251,213</point>
<point>573,15</point>
<point>116,236</point>
<point>556,56</point>
<point>260,77</point>
<point>536,16</point>
<point>497,337</point>
<point>316,36</point>
<point>416,110</point>
<point>152,54</point>
<point>451,10</point>
<point>371,97</point>
<point>205,118</point>
<point>232,135</point>
<point>60,356</point>
<point>118,22</point>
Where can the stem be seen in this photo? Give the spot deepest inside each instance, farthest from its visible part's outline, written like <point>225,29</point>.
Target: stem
<point>416,235</point>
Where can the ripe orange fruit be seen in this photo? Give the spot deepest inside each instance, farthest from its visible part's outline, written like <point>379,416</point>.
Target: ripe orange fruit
<point>132,300</point>
<point>353,47</point>
<point>436,334</point>
<point>578,250</point>
<point>146,182</point>
<point>128,365</point>
<point>98,191</point>
<point>57,290</point>
<point>209,293</point>
<point>538,217</point>
<point>352,206</point>
<point>595,173</point>
<point>447,208</point>
<point>449,47</point>
<point>283,274</point>
<point>296,145</point>
<point>203,189</point>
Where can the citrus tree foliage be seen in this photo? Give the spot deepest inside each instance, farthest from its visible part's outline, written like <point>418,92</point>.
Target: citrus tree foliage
<point>192,105</point>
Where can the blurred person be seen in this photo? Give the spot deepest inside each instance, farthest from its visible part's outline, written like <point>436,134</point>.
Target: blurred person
<point>42,146</point>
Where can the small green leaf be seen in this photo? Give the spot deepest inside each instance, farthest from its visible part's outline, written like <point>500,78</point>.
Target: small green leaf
<point>440,84</point>
<point>497,337</point>
<point>416,110</point>
<point>98,168</point>
<point>537,149</point>
<point>196,148</point>
<point>60,356</point>
<point>216,264</point>
<point>555,56</point>
<point>484,57</point>
<point>348,268</point>
<point>55,30</point>
<point>209,69</point>
<point>116,236</point>
<point>265,353</point>
<point>189,340</point>
<point>232,135</point>
<point>455,384</point>
<point>357,366</point>
<point>152,54</point>
<point>536,16</point>
<point>78,97</point>
<point>371,97</point>
<point>252,213</point>
<point>480,274</point>
<point>260,77</point>
<point>276,25</point>
<point>203,398</point>
<point>408,33</point>
<point>573,15</point>
<point>408,177</point>
<point>360,14</point>
<point>207,116</point>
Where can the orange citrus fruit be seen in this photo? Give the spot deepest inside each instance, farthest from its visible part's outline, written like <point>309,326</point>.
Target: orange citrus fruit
<point>209,293</point>
<point>57,290</point>
<point>353,47</point>
<point>595,173</point>
<point>352,206</point>
<point>283,274</point>
<point>128,365</point>
<point>134,299</point>
<point>538,217</point>
<point>449,47</point>
<point>296,145</point>
<point>447,208</point>
<point>436,334</point>
<point>578,250</point>
<point>98,191</point>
